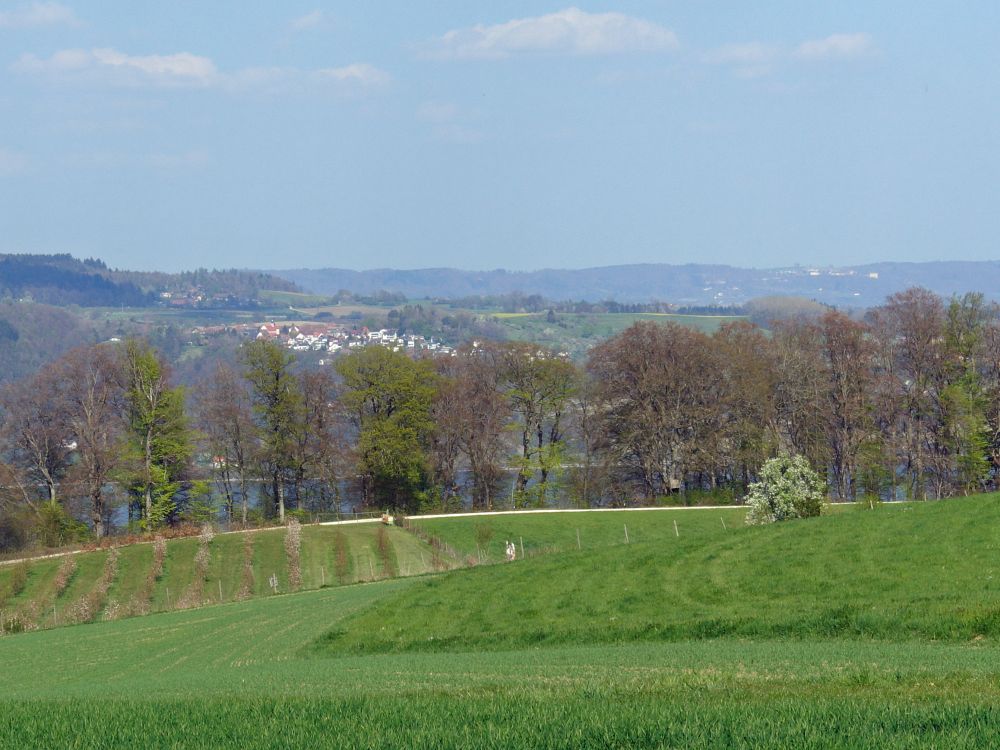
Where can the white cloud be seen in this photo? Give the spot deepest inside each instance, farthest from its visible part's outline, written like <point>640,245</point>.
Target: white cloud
<point>361,74</point>
<point>307,22</point>
<point>37,14</point>
<point>755,59</point>
<point>182,68</point>
<point>836,47</point>
<point>570,31</point>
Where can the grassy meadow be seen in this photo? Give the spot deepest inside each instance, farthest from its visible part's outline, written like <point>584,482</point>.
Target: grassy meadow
<point>577,332</point>
<point>329,556</point>
<point>865,629</point>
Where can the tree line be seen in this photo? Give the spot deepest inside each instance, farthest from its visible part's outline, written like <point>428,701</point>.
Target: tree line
<point>904,402</point>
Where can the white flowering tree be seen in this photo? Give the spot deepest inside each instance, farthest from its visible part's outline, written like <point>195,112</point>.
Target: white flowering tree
<point>788,488</point>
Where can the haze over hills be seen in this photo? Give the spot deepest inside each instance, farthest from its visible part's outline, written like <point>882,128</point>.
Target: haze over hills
<point>861,286</point>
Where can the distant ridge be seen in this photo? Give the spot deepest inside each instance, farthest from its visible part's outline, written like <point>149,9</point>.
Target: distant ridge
<point>861,285</point>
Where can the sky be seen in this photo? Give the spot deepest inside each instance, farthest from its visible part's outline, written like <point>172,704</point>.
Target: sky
<point>517,135</point>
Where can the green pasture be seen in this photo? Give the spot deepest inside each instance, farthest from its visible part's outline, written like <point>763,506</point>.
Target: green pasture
<point>577,332</point>
<point>292,299</point>
<point>915,570</point>
<point>541,532</point>
<point>407,556</point>
<point>247,674</point>
<point>860,629</point>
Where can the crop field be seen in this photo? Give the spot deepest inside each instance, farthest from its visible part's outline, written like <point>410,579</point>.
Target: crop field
<point>862,629</point>
<point>577,332</point>
<point>238,566</point>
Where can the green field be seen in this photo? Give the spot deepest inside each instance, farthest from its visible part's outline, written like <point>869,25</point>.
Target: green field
<point>576,332</point>
<point>39,606</point>
<point>866,629</point>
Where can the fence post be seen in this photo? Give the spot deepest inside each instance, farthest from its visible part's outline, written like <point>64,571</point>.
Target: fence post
<point>626,534</point>
<point>578,539</point>
<point>676,532</point>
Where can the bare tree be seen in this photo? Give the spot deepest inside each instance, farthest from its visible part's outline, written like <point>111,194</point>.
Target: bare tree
<point>91,391</point>
<point>661,390</point>
<point>36,436</point>
<point>225,417</point>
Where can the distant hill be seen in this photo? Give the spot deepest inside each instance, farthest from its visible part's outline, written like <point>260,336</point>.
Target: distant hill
<point>64,280</point>
<point>691,284</point>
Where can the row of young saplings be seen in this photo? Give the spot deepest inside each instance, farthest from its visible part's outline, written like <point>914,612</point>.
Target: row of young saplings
<point>44,612</point>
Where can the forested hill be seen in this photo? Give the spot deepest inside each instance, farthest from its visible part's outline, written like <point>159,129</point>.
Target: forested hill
<point>864,285</point>
<point>64,280</point>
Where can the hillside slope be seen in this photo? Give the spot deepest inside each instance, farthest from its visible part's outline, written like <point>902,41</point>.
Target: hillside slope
<point>192,572</point>
<point>927,570</point>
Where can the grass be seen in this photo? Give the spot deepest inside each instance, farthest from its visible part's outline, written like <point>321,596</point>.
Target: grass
<point>858,630</point>
<point>292,299</point>
<point>406,554</point>
<point>244,674</point>
<point>926,570</point>
<point>542,532</point>
<point>577,332</point>
<point>133,563</point>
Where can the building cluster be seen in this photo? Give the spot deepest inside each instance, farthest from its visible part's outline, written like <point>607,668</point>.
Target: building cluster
<point>329,338</point>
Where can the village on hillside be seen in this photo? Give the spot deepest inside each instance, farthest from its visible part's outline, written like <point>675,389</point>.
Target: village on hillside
<point>330,338</point>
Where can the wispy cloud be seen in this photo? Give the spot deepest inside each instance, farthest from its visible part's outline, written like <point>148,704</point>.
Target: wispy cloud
<point>747,53</point>
<point>451,123</point>
<point>362,74</point>
<point>161,161</point>
<point>37,14</point>
<point>836,47</point>
<point>437,112</point>
<point>12,162</point>
<point>752,59</point>
<point>568,32</point>
<point>308,21</point>
<point>184,69</point>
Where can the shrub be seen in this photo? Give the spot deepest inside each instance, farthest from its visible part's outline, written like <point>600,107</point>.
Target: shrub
<point>56,527</point>
<point>246,581</point>
<point>788,488</point>
<point>293,547</point>
<point>194,596</point>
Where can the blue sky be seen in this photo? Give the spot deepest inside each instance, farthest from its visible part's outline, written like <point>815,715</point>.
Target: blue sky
<point>515,135</point>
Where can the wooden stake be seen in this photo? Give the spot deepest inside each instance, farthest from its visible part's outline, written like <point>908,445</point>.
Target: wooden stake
<point>626,533</point>
<point>676,532</point>
<point>220,590</point>
<point>578,539</point>
<point>522,546</point>
<point>723,523</point>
